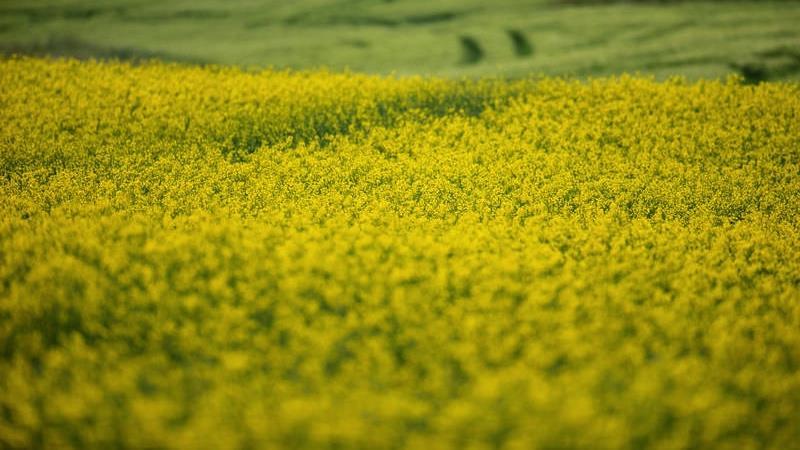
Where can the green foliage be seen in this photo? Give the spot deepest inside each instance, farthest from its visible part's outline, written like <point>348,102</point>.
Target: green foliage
<point>522,47</point>
<point>471,50</point>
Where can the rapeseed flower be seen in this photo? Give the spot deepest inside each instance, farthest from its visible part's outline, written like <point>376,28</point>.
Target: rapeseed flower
<point>204,257</point>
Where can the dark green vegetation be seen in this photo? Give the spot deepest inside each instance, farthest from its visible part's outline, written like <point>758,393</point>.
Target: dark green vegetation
<point>757,39</point>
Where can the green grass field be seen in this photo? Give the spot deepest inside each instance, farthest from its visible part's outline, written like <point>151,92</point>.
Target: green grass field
<point>760,40</point>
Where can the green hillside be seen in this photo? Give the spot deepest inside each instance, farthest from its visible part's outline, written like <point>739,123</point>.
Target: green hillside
<point>760,40</point>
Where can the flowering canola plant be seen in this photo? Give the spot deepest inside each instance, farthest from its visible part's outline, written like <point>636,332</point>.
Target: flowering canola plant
<point>206,257</point>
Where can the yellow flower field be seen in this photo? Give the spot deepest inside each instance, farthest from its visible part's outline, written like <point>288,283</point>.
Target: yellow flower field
<point>205,257</point>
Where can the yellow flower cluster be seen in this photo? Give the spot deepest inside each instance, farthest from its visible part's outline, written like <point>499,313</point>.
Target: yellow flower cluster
<point>204,257</point>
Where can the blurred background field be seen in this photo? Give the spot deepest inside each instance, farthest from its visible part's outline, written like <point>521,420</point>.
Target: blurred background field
<point>760,40</point>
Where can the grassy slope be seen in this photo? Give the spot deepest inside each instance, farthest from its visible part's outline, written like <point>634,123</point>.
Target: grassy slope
<point>697,39</point>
